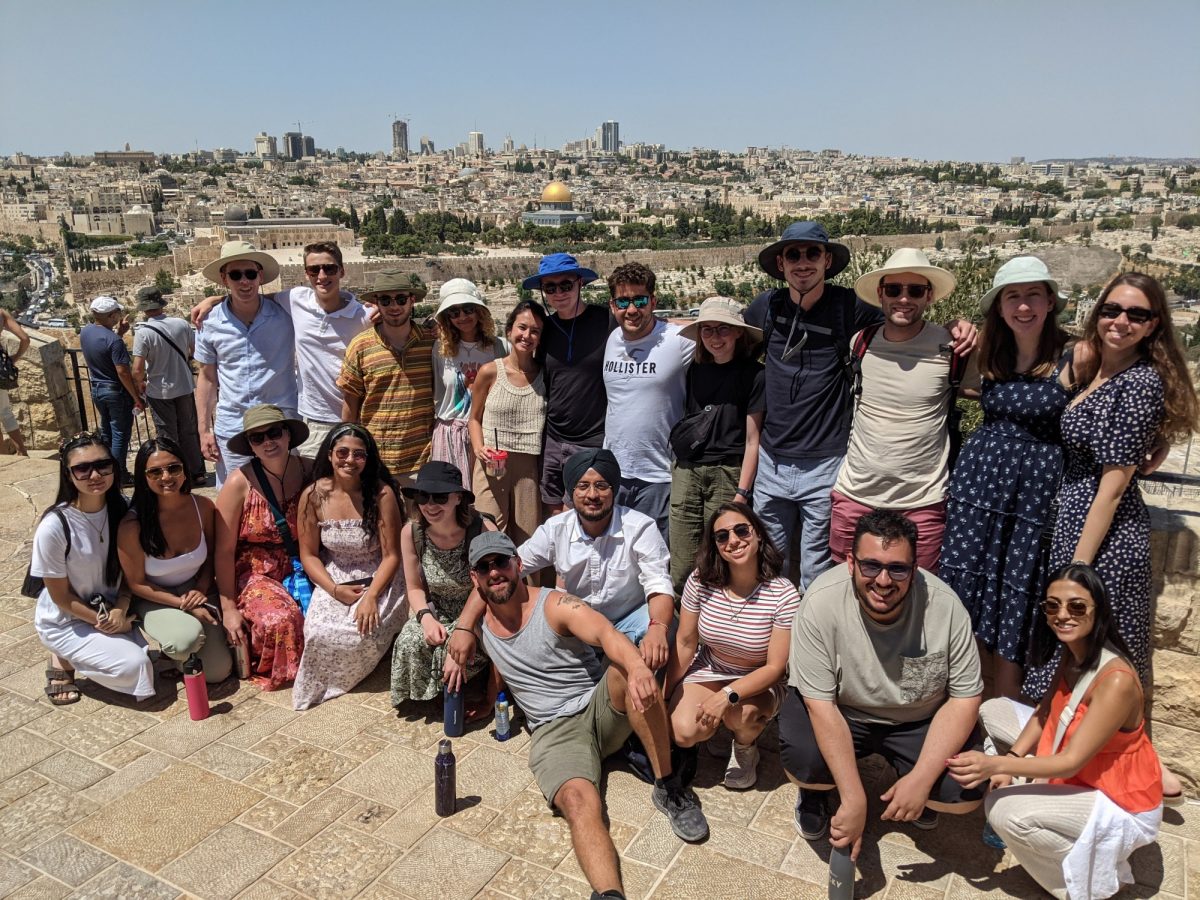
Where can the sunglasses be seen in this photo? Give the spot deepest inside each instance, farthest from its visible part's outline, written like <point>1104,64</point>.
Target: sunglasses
<point>344,453</point>
<point>239,274</point>
<point>872,568</point>
<point>102,467</point>
<point>457,312</point>
<point>636,302</point>
<point>558,287</point>
<point>327,268</point>
<point>485,565</point>
<point>1076,609</point>
<point>811,253</point>
<point>742,530</point>
<point>274,433</point>
<point>916,291</point>
<point>1135,314</point>
<point>386,300</point>
<point>160,472</point>
<point>424,497</point>
<point>600,487</point>
<point>718,330</point>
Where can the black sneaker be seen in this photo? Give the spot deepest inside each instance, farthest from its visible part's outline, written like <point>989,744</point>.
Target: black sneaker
<point>927,820</point>
<point>812,814</point>
<point>682,810</point>
<point>607,895</point>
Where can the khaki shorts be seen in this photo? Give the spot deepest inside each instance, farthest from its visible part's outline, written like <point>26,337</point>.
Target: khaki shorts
<point>574,746</point>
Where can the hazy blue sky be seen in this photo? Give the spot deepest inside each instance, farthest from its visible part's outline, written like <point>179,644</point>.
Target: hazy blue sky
<point>938,79</point>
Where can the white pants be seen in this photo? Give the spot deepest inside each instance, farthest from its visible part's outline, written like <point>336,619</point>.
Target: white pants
<point>116,661</point>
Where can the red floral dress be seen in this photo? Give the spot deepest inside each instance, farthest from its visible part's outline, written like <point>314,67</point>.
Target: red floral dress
<point>276,622</point>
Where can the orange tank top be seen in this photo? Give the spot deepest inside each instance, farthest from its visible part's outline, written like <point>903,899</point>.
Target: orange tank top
<point>1126,768</point>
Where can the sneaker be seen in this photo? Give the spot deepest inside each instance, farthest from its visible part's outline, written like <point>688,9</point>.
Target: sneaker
<point>812,814</point>
<point>742,771</point>
<point>927,820</point>
<point>682,810</point>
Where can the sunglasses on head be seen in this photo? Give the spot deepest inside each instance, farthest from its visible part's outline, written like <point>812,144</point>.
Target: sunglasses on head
<point>386,300</point>
<point>160,472</point>
<point>488,563</point>
<point>239,274</point>
<point>916,291</point>
<point>101,467</point>
<point>811,253</point>
<point>424,497</point>
<point>557,287</point>
<point>742,530</point>
<point>274,433</point>
<point>345,453</point>
<point>873,568</point>
<point>636,302</point>
<point>1135,314</point>
<point>1076,609</point>
<point>327,268</point>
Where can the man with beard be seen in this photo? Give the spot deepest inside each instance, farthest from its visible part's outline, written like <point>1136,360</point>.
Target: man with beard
<point>543,645</point>
<point>882,661</point>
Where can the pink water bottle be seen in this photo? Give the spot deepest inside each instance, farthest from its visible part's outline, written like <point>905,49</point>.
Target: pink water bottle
<point>195,688</point>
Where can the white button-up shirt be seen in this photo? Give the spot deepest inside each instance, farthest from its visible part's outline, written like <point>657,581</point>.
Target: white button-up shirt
<point>614,573</point>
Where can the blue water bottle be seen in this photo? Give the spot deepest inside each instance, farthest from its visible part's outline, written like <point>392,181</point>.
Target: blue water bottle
<point>452,712</point>
<point>503,724</point>
<point>444,780</point>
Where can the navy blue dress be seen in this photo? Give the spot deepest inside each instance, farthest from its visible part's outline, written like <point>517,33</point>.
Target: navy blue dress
<point>998,506</point>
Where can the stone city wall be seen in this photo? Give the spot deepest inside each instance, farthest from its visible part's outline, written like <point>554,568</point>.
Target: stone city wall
<point>44,400</point>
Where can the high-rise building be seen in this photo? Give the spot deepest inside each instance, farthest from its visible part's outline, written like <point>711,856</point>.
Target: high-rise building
<point>310,146</point>
<point>292,144</point>
<point>427,148</point>
<point>508,143</point>
<point>610,137</point>
<point>475,143</point>
<point>265,146</point>
<point>400,139</point>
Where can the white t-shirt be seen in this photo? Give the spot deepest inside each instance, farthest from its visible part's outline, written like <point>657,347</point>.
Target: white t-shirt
<point>83,567</point>
<point>646,385</point>
<point>321,341</point>
<point>452,378</point>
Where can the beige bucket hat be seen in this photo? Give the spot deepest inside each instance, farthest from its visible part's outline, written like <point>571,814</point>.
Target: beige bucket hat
<point>721,311</point>
<point>905,260</point>
<point>235,250</point>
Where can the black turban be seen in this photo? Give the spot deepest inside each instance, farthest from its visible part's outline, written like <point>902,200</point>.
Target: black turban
<point>596,458</point>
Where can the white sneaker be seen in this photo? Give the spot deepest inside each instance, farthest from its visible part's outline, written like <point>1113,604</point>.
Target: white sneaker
<point>742,771</point>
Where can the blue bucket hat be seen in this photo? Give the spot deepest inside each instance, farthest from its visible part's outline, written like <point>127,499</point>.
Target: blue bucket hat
<point>557,264</point>
<point>807,233</point>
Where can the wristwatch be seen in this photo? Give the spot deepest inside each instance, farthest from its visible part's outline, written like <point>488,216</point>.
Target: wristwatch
<point>423,612</point>
<point>733,695</point>
<point>742,492</point>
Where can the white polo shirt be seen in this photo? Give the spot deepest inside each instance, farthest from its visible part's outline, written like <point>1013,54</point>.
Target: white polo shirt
<point>321,341</point>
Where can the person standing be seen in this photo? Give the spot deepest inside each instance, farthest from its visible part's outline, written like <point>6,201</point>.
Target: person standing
<point>7,420</point>
<point>114,393</point>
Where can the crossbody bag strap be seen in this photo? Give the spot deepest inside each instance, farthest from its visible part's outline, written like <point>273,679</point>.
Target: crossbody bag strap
<point>1077,694</point>
<point>174,346</point>
<point>281,525</point>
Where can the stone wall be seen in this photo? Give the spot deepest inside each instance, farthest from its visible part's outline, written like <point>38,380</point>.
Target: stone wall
<point>44,399</point>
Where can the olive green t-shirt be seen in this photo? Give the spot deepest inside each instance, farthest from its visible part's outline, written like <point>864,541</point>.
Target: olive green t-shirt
<point>900,672</point>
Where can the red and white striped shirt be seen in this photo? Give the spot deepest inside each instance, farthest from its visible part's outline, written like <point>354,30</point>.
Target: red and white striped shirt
<point>737,629</point>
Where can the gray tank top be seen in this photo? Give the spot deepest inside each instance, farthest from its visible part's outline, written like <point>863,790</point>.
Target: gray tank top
<point>551,676</point>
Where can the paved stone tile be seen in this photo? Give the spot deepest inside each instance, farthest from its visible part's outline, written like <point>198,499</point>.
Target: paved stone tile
<point>808,861</point>
<point>638,878</point>
<point>418,873</point>
<point>520,879</point>
<point>908,890</point>
<point>69,859</point>
<point>181,737</point>
<point>16,711</point>
<point>393,776</point>
<point>378,891</point>
<point>470,819</point>
<point>702,872</point>
<point>561,887</point>
<point>72,770</point>
<point>265,889</point>
<point>43,888</point>
<point>40,815</point>
<point>527,829</point>
<point>228,762</point>
<point>497,778</point>
<point>315,816</point>
<point>267,814</point>
<point>734,807</point>
<point>20,785</point>
<point>655,845</point>
<point>259,721</point>
<point>1162,865</point>
<point>166,816</point>
<point>123,754</point>
<point>226,862</point>
<point>328,725</point>
<point>411,823</point>
<point>339,862</point>
<point>125,882</point>
<point>626,798</point>
<point>362,747</point>
<point>131,776</point>
<point>96,734</point>
<point>367,815</point>
<point>19,750</point>
<point>300,774</point>
<point>13,874</point>
<point>416,735</point>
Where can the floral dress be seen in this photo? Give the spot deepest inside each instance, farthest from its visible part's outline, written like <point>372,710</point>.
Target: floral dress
<point>261,564</point>
<point>999,504</point>
<point>336,656</point>
<point>417,667</point>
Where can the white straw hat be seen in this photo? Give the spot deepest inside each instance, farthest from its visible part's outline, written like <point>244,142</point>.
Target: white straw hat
<point>905,260</point>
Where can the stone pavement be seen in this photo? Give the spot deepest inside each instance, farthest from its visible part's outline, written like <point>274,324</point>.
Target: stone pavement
<point>107,798</point>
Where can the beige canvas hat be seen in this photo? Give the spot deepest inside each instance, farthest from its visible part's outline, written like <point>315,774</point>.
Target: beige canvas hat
<point>396,282</point>
<point>721,311</point>
<point>459,292</point>
<point>909,260</point>
<point>235,250</point>
<point>260,416</point>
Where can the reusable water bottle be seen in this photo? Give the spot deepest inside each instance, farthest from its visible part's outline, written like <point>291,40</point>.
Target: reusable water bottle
<point>444,780</point>
<point>452,712</point>
<point>990,838</point>
<point>841,874</point>
<point>503,724</point>
<point>195,688</point>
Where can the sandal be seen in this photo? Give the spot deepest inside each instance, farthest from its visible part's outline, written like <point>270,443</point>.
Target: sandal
<point>60,686</point>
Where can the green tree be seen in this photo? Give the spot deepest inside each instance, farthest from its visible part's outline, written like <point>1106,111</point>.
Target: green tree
<point>165,282</point>
<point>1155,224</point>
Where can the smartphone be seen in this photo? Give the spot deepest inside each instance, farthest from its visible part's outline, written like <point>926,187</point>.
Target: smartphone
<point>358,581</point>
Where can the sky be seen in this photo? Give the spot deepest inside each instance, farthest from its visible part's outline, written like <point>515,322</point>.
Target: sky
<point>979,80</point>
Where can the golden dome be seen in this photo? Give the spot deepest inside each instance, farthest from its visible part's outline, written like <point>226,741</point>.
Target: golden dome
<point>556,192</point>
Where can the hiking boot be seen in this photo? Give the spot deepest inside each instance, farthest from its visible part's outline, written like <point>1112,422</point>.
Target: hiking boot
<point>682,810</point>
<point>927,820</point>
<point>812,814</point>
<point>742,771</point>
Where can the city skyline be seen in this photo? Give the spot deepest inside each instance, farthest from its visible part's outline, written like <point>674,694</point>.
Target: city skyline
<point>1047,80</point>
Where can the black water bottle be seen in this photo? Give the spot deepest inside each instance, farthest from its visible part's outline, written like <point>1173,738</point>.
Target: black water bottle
<point>841,874</point>
<point>444,781</point>
<point>452,712</point>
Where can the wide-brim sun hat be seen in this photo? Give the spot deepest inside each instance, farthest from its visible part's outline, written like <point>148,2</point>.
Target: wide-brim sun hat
<point>438,477</point>
<point>231,251</point>
<point>395,282</point>
<point>906,260</point>
<point>557,264</point>
<point>260,417</point>
<point>459,292</point>
<point>1022,270</point>
<point>804,233</point>
<point>721,311</point>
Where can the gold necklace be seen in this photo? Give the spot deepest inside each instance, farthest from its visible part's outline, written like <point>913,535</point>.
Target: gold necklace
<point>99,531</point>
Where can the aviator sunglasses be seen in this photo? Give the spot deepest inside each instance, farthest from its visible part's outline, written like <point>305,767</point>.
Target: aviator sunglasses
<point>158,473</point>
<point>742,530</point>
<point>344,453</point>
<point>1076,609</point>
<point>1135,314</point>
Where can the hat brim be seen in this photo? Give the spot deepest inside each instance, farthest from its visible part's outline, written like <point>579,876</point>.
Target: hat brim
<point>1060,299</point>
<point>436,486</point>
<point>534,282</point>
<point>459,300</point>
<point>867,286</point>
<point>841,257</point>
<point>240,444</point>
<point>269,266</point>
<point>692,330</point>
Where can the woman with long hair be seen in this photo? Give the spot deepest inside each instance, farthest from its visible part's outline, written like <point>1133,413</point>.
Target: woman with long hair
<point>165,550</point>
<point>1001,493</point>
<point>82,613</point>
<point>1092,791</point>
<point>466,340</point>
<point>350,523</point>
<point>508,415</point>
<point>732,644</point>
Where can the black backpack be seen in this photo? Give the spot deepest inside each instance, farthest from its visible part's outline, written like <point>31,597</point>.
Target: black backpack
<point>33,584</point>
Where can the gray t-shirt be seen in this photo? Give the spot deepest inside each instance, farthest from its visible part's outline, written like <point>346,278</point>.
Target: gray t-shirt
<point>168,375</point>
<point>890,674</point>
